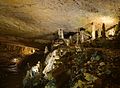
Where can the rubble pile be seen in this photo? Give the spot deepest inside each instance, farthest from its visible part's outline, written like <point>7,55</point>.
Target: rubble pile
<point>85,69</point>
<point>94,71</point>
<point>69,64</point>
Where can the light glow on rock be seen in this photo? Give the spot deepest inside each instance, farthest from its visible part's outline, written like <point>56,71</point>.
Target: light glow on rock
<point>107,20</point>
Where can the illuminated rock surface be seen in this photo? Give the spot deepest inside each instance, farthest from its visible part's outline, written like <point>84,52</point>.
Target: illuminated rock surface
<point>32,18</point>
<point>27,26</point>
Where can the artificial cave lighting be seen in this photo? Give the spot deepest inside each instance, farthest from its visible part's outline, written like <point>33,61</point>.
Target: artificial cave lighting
<point>107,20</point>
<point>15,60</point>
<point>112,32</point>
<point>27,50</point>
<point>60,44</point>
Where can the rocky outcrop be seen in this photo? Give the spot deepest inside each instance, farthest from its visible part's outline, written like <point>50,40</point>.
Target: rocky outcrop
<point>16,50</point>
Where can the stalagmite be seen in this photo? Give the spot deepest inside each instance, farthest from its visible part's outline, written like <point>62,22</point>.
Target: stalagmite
<point>70,38</point>
<point>60,34</point>
<point>46,50</point>
<point>117,28</point>
<point>50,60</point>
<point>78,35</point>
<point>93,31</point>
<point>103,31</point>
<point>82,37</point>
<point>96,34</point>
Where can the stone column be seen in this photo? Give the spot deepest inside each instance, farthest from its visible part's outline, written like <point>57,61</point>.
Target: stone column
<point>77,41</point>
<point>93,31</point>
<point>103,31</point>
<point>60,34</point>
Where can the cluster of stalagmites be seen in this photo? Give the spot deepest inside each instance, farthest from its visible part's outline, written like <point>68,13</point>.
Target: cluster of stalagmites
<point>70,64</point>
<point>69,68</point>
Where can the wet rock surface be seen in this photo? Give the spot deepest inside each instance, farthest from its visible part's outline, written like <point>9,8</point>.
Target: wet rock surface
<point>62,66</point>
<point>90,68</point>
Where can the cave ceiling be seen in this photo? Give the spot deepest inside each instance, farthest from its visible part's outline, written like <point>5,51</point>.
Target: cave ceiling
<point>32,18</point>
